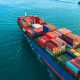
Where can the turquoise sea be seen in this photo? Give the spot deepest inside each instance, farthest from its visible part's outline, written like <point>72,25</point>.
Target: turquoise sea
<point>17,61</point>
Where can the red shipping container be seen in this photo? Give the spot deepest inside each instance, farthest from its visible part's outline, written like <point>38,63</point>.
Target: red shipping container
<point>26,19</point>
<point>52,51</point>
<point>44,37</point>
<point>75,63</point>
<point>36,19</point>
<point>39,20</point>
<point>51,47</point>
<point>71,71</point>
<point>51,35</point>
<point>27,28</point>
<point>42,41</point>
<point>30,32</point>
<point>55,42</point>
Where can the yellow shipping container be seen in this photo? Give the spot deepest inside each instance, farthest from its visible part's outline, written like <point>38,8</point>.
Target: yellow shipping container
<point>72,50</point>
<point>77,54</point>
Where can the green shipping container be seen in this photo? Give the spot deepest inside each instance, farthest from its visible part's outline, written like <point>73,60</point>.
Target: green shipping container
<point>23,22</point>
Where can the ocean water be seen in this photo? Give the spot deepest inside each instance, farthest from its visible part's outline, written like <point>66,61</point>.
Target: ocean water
<point>17,60</point>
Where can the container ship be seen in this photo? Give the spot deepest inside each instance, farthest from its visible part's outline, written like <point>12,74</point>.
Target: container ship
<point>57,49</point>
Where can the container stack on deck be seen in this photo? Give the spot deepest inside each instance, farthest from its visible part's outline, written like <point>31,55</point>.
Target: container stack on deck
<point>69,37</point>
<point>73,66</point>
<point>61,44</point>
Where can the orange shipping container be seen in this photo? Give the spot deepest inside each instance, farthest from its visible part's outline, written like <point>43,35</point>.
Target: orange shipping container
<point>42,41</point>
<point>64,31</point>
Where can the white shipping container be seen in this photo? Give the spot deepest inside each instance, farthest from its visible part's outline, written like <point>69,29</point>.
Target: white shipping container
<point>36,25</point>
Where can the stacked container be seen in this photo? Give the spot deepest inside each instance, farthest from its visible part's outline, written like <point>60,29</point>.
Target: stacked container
<point>36,19</point>
<point>46,29</point>
<point>73,66</point>
<point>42,41</point>
<point>59,44</point>
<point>38,31</point>
<point>63,58</point>
<point>64,31</point>
<point>55,42</point>
<point>51,35</point>
<point>75,52</point>
<point>37,26</point>
<point>39,20</point>
<point>78,49</point>
<point>58,33</point>
<point>50,27</point>
<point>71,39</point>
<point>23,24</point>
<point>29,32</point>
<point>28,21</point>
<point>62,43</point>
<point>33,32</point>
<point>33,18</point>
<point>51,49</point>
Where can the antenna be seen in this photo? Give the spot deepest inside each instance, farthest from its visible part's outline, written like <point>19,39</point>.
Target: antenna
<point>25,14</point>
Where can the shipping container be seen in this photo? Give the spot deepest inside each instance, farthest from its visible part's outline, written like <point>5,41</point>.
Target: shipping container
<point>51,27</point>
<point>46,29</point>
<point>55,42</point>
<point>71,39</point>
<point>51,35</point>
<point>61,41</point>
<point>63,58</point>
<point>36,26</point>
<point>74,62</point>
<point>72,72</point>
<point>50,44</point>
<point>58,33</point>
<point>70,53</point>
<point>39,20</point>
<point>78,49</point>
<point>74,65</point>
<point>52,48</point>
<point>75,52</point>
<point>38,31</point>
<point>42,41</point>
<point>47,50</point>
<point>72,50</point>
<point>64,31</point>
